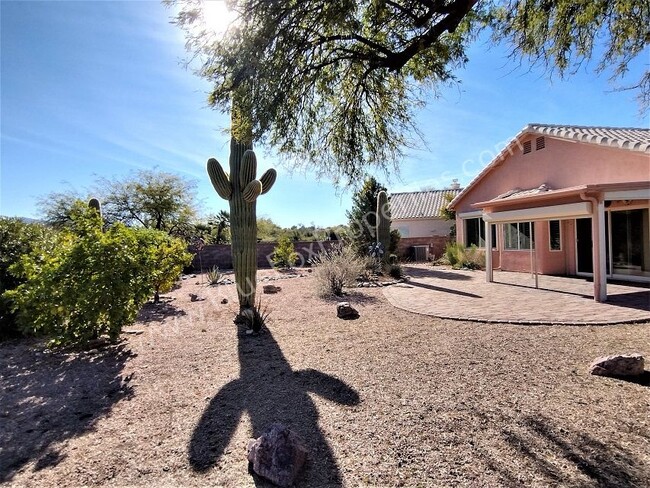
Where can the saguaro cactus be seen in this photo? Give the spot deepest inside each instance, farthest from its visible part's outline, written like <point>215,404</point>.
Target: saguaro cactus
<point>94,203</point>
<point>382,227</point>
<point>241,189</point>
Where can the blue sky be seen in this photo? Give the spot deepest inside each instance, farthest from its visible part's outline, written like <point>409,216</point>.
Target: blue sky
<point>97,89</point>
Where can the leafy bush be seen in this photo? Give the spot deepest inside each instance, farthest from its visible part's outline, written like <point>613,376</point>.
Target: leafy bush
<point>336,268</point>
<point>84,283</point>
<point>460,256</point>
<point>284,254</point>
<point>215,276</point>
<point>17,238</point>
<point>395,271</point>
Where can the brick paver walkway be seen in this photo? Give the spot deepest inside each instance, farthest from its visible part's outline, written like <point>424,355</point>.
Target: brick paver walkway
<point>464,295</point>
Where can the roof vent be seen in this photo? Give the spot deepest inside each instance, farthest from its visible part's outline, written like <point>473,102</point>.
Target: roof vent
<point>540,143</point>
<point>454,184</point>
<point>528,147</point>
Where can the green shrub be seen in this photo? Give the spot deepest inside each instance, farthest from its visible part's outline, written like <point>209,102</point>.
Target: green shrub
<point>336,268</point>
<point>284,254</point>
<point>17,238</point>
<point>215,276</point>
<point>84,283</point>
<point>460,256</point>
<point>395,271</point>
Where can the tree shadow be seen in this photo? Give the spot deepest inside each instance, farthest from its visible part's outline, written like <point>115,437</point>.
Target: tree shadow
<point>159,312</point>
<point>418,272</point>
<point>557,453</point>
<point>465,294</point>
<point>270,391</point>
<point>48,397</point>
<point>353,297</point>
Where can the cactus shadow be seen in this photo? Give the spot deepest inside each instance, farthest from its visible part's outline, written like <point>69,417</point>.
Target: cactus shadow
<point>270,391</point>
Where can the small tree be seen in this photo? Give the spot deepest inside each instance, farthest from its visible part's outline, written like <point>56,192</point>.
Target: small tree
<point>362,216</point>
<point>284,254</point>
<point>449,214</point>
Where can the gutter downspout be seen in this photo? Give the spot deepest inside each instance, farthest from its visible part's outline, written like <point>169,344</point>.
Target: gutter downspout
<point>598,243</point>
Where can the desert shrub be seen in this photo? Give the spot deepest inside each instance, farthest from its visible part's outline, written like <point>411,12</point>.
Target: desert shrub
<point>215,276</point>
<point>336,268</point>
<point>395,270</point>
<point>85,283</point>
<point>17,238</point>
<point>256,317</point>
<point>460,256</point>
<point>284,254</point>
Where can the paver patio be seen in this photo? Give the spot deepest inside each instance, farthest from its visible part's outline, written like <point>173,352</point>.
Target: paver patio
<point>512,298</point>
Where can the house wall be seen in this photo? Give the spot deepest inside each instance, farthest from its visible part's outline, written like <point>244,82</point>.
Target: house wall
<point>422,227</point>
<point>560,164</point>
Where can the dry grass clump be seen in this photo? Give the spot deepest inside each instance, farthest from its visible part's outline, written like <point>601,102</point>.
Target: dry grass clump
<point>333,269</point>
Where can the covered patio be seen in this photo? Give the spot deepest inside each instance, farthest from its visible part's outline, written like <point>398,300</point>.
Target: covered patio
<point>513,298</point>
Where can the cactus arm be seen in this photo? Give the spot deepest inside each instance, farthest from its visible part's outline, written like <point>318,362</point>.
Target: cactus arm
<point>267,180</point>
<point>219,179</point>
<point>252,191</point>
<point>248,168</point>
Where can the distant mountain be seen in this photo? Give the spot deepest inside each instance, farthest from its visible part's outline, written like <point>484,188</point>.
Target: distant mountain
<point>27,220</point>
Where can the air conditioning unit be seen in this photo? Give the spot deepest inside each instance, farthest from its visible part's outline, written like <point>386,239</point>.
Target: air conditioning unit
<point>420,253</point>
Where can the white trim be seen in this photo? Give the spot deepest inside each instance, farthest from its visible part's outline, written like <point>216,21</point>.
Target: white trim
<point>642,194</point>
<point>551,212</point>
<point>471,215</point>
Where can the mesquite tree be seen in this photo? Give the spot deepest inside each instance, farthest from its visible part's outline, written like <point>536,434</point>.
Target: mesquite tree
<point>337,85</point>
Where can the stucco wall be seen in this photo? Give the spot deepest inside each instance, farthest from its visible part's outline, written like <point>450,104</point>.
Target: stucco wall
<point>560,164</point>
<point>422,227</point>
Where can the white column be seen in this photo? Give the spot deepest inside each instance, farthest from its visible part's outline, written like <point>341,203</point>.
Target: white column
<point>599,251</point>
<point>488,254</point>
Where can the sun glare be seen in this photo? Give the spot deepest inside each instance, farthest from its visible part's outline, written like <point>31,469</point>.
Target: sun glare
<point>217,16</point>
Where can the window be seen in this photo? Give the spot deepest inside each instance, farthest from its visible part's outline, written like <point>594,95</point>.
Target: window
<point>554,235</point>
<point>519,236</point>
<point>475,233</point>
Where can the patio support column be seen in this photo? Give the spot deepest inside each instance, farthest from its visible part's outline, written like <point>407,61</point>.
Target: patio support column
<point>598,247</point>
<point>489,276</point>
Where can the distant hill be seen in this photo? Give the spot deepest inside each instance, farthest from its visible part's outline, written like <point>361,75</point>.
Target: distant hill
<point>27,220</point>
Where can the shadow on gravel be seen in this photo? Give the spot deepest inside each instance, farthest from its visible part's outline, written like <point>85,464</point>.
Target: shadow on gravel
<point>158,312</point>
<point>48,397</point>
<point>270,391</point>
<point>561,455</point>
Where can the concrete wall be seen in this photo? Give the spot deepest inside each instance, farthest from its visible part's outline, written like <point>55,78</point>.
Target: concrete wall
<point>220,255</point>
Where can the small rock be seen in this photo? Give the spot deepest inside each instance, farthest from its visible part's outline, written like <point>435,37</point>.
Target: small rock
<point>134,332</point>
<point>620,365</point>
<point>224,301</point>
<point>277,455</point>
<point>269,289</point>
<point>345,311</point>
<point>309,270</point>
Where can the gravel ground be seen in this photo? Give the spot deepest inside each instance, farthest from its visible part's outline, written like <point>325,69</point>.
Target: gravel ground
<point>390,399</point>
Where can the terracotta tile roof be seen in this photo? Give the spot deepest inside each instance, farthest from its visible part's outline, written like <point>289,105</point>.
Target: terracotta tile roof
<point>518,192</point>
<point>419,204</point>
<point>635,139</point>
<point>630,138</point>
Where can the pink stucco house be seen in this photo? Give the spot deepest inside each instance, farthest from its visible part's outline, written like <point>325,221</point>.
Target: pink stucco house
<point>564,200</point>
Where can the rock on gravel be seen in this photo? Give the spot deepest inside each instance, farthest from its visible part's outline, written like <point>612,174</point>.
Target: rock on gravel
<point>277,455</point>
<point>620,365</point>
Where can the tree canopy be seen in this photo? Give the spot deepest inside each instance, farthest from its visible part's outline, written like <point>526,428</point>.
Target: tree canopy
<point>150,199</point>
<point>335,85</point>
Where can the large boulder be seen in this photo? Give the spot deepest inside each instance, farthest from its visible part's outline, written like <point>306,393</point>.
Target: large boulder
<point>277,455</point>
<point>620,365</point>
<point>346,311</point>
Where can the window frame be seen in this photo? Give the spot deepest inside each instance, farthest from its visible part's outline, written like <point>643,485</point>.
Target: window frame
<point>559,237</point>
<point>518,236</point>
<point>481,233</point>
